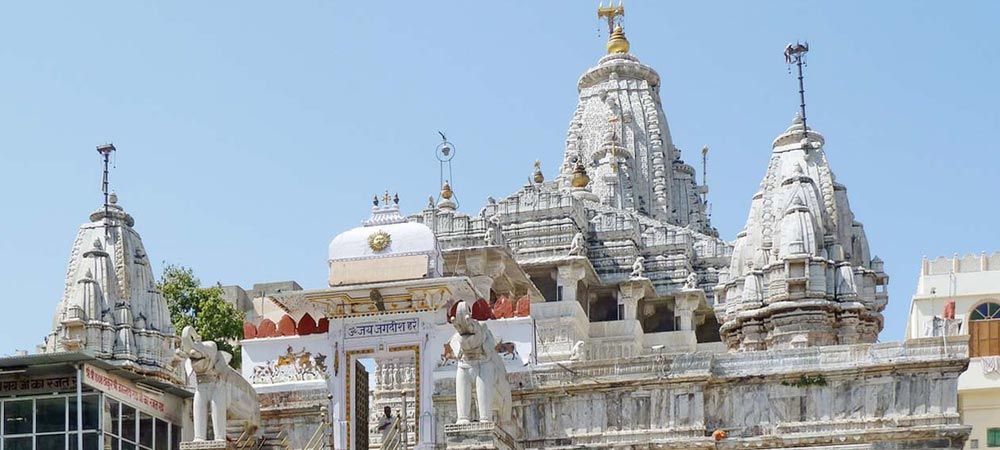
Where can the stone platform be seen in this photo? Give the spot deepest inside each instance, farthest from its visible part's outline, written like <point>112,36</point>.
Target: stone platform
<point>207,445</point>
<point>479,436</point>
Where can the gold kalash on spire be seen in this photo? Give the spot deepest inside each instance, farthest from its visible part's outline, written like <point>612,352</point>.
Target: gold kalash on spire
<point>617,43</point>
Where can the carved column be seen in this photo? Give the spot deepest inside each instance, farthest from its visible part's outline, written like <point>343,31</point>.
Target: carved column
<point>568,279</point>
<point>629,294</point>
<point>686,303</point>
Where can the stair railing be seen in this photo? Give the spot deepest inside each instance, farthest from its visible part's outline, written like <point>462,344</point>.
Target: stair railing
<point>316,440</point>
<point>393,437</point>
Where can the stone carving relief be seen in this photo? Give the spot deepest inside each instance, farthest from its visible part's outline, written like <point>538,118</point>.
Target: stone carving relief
<point>637,267</point>
<point>291,366</point>
<point>692,281</point>
<point>578,246</point>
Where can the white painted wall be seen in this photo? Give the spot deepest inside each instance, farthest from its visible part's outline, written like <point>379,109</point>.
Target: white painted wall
<point>970,281</point>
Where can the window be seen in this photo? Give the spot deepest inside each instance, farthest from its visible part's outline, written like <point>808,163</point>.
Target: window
<point>17,417</point>
<point>145,431</point>
<point>126,428</point>
<point>49,423</point>
<point>986,311</point>
<point>993,437</point>
<point>984,330</point>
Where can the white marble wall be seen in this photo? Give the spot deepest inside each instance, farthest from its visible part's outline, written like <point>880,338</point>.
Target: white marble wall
<point>873,393</point>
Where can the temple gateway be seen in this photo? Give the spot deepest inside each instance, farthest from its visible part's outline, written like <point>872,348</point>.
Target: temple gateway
<point>594,308</point>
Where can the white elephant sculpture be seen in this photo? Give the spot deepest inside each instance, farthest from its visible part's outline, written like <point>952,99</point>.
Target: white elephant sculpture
<point>219,387</point>
<point>479,364</point>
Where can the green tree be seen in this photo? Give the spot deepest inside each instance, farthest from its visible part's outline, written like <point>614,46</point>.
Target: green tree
<point>203,308</point>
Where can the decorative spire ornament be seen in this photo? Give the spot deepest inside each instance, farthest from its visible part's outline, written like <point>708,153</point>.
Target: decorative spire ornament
<point>796,54</point>
<point>617,43</point>
<point>105,151</point>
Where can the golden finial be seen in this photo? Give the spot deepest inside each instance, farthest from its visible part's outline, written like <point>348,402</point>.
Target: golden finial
<point>539,178</point>
<point>610,12</point>
<point>446,191</point>
<point>385,198</point>
<point>617,43</point>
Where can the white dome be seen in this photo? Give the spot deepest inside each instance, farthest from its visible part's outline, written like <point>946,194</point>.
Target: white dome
<point>385,248</point>
<point>407,238</point>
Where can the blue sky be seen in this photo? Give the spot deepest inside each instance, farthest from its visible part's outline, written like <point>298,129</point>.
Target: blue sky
<point>251,133</point>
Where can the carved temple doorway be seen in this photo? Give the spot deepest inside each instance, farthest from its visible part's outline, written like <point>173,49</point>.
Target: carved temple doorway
<point>385,379</point>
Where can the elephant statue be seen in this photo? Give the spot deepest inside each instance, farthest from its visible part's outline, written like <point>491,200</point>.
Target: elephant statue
<point>218,387</point>
<point>479,364</point>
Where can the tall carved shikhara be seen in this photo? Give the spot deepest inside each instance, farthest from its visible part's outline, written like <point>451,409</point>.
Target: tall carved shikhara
<point>801,274</point>
<point>111,306</point>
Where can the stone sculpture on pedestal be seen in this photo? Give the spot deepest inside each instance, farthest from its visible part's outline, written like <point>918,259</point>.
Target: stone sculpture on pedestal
<point>479,365</point>
<point>692,281</point>
<point>578,246</point>
<point>218,387</point>
<point>637,267</point>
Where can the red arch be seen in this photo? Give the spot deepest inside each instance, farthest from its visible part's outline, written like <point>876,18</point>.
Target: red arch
<point>286,326</point>
<point>249,330</point>
<point>481,310</point>
<point>267,329</point>
<point>323,325</point>
<point>307,325</point>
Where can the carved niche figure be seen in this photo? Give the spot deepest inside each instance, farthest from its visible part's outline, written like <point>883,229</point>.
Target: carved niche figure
<point>637,267</point>
<point>218,386</point>
<point>578,352</point>
<point>490,238</point>
<point>692,281</point>
<point>479,364</point>
<point>578,246</point>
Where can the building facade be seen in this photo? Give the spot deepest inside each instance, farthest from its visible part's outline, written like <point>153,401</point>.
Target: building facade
<point>960,296</point>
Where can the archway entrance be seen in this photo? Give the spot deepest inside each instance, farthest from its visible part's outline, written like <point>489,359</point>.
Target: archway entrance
<point>380,379</point>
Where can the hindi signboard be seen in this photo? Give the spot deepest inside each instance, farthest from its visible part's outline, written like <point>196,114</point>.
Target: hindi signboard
<point>37,385</point>
<point>383,328</point>
<point>164,406</point>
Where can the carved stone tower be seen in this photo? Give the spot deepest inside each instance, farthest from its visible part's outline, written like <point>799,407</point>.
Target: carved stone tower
<point>801,274</point>
<point>111,305</point>
<point>620,135</point>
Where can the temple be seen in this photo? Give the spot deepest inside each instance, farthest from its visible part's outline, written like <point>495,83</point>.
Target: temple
<point>596,308</point>
<point>111,306</point>
<point>801,273</point>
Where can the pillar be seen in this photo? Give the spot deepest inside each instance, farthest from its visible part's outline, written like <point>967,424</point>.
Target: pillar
<point>629,294</point>
<point>568,280</point>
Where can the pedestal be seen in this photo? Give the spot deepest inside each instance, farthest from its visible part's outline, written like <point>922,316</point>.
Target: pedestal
<point>207,445</point>
<point>479,436</point>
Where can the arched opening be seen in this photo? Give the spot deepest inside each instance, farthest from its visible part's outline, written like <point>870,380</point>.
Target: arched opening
<point>984,330</point>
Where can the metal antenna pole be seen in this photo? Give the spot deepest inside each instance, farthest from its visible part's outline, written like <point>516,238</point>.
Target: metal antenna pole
<point>796,53</point>
<point>704,173</point>
<point>802,90</point>
<point>105,151</point>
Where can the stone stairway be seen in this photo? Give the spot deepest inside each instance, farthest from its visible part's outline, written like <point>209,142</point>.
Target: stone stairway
<point>267,438</point>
